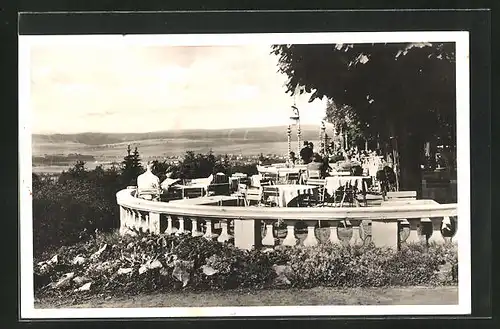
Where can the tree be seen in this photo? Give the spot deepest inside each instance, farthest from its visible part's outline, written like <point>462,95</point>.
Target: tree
<point>404,93</point>
<point>131,167</point>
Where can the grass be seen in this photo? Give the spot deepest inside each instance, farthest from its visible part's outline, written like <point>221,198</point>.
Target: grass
<point>289,297</point>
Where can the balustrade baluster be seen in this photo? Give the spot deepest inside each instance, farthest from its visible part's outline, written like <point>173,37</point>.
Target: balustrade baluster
<point>194,230</point>
<point>154,222</point>
<point>269,239</point>
<point>181,229</point>
<point>137,219</point>
<point>311,239</point>
<point>290,239</point>
<point>130,219</point>
<point>356,236</point>
<point>414,236</point>
<point>170,227</point>
<point>224,235</point>
<point>208,233</point>
<point>123,219</point>
<point>455,236</point>
<point>144,221</point>
<point>446,224</point>
<point>334,233</point>
<point>436,235</point>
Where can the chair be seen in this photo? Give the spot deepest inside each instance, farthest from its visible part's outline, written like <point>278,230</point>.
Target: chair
<point>270,196</point>
<point>241,194</point>
<point>149,194</point>
<point>314,174</point>
<point>253,194</point>
<point>292,178</point>
<point>321,184</point>
<point>349,193</point>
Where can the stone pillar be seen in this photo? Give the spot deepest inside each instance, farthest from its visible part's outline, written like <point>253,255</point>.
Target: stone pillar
<point>208,233</point>
<point>130,219</point>
<point>436,236</point>
<point>334,234</point>
<point>170,227</point>
<point>247,234</point>
<point>310,240</point>
<point>194,230</point>
<point>269,239</point>
<point>224,235</point>
<point>385,233</point>
<point>414,236</point>
<point>290,239</point>
<point>356,236</point>
<point>154,222</point>
<point>136,219</point>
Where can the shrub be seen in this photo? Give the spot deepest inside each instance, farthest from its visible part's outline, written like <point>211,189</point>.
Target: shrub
<point>165,263</point>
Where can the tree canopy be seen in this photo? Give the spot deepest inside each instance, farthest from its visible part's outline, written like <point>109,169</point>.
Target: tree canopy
<point>398,91</point>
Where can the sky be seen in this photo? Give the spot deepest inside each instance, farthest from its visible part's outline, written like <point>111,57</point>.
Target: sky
<point>142,88</point>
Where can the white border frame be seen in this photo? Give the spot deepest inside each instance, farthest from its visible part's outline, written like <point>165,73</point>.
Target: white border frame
<point>461,38</point>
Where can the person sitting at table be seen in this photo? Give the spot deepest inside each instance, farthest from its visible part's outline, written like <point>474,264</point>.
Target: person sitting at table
<point>306,153</point>
<point>169,181</point>
<point>148,184</point>
<point>317,165</point>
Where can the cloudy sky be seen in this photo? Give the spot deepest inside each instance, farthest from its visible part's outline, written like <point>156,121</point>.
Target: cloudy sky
<point>139,88</point>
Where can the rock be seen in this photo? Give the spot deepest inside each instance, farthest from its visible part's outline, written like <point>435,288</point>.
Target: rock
<point>130,245</point>
<point>78,260</point>
<point>79,280</point>
<point>125,271</point>
<point>85,287</point>
<point>99,252</point>
<point>207,270</point>
<point>65,281</point>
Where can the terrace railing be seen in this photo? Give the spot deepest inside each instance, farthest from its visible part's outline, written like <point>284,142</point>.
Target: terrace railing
<point>253,227</point>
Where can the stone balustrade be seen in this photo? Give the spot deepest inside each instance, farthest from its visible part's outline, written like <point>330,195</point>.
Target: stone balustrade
<point>254,227</point>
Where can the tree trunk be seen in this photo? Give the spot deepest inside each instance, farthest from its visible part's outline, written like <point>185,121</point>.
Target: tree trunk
<point>411,154</point>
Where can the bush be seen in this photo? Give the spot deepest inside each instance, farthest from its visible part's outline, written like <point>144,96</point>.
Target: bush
<point>165,263</point>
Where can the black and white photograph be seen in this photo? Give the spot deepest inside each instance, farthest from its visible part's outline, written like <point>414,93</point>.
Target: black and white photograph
<point>244,174</point>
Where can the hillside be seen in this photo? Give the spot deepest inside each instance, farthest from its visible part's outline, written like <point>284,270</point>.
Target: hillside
<point>111,146</point>
<point>261,134</point>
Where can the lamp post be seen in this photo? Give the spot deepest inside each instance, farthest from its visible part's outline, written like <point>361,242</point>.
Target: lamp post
<point>295,117</point>
<point>289,139</point>
<point>322,137</point>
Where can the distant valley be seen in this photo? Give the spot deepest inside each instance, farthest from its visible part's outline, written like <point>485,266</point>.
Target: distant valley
<point>108,147</point>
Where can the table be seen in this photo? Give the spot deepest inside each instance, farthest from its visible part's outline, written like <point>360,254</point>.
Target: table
<point>202,187</point>
<point>333,183</point>
<point>289,192</point>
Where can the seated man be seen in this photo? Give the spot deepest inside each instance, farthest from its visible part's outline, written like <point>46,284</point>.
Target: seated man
<point>306,153</point>
<point>317,165</point>
<point>148,184</point>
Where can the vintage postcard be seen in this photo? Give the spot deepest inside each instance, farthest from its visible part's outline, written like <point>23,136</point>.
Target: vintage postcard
<point>229,175</point>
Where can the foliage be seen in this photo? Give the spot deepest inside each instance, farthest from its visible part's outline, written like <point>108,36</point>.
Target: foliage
<point>404,93</point>
<point>139,263</point>
<point>131,167</point>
